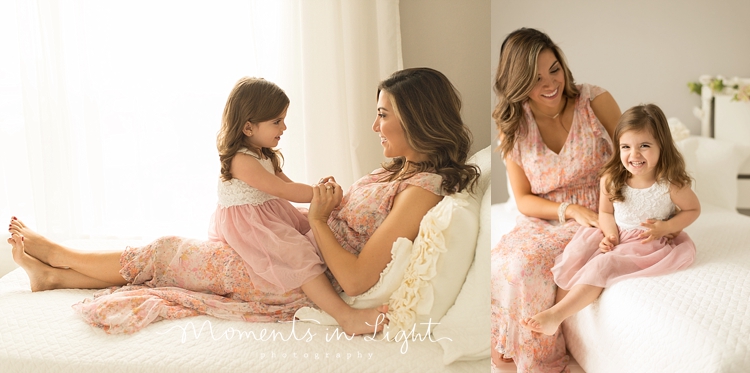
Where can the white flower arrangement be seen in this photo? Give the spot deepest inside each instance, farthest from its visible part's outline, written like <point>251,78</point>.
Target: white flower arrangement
<point>678,130</point>
<point>739,88</point>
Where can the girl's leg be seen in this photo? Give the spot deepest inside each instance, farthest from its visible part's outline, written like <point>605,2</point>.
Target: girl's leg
<point>561,293</point>
<point>547,322</point>
<point>103,266</point>
<point>44,277</point>
<point>352,320</point>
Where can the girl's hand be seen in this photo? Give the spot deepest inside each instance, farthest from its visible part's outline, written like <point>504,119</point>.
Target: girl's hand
<point>656,229</point>
<point>326,179</point>
<point>608,243</point>
<point>325,198</point>
<point>582,215</point>
<point>671,236</point>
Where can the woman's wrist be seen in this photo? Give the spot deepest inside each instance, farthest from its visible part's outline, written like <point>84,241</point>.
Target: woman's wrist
<point>317,221</point>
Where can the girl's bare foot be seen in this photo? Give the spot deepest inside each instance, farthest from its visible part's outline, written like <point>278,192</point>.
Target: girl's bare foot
<point>35,244</point>
<point>365,321</point>
<point>544,322</point>
<point>40,274</point>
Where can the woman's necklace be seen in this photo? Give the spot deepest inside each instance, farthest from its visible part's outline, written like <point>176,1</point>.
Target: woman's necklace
<point>558,114</point>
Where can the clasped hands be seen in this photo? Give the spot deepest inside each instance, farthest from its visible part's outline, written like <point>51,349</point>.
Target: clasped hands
<point>327,194</point>
<point>655,230</point>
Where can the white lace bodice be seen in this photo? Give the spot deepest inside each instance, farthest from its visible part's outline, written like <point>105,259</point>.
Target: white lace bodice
<point>639,205</point>
<point>236,192</point>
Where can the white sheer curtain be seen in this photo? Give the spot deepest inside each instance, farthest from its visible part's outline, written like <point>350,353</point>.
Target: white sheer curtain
<point>109,110</point>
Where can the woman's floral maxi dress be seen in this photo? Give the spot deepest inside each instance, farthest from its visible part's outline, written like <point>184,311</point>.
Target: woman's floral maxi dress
<point>522,284</point>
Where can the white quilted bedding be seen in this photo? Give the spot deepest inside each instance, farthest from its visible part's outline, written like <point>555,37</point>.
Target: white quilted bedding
<point>696,320</point>
<point>39,332</point>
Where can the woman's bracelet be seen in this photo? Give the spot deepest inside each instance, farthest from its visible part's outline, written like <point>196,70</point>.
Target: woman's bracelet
<point>561,212</point>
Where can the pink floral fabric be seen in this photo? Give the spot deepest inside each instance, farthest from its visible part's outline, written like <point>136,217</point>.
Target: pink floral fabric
<point>175,277</point>
<point>522,284</point>
<point>367,204</point>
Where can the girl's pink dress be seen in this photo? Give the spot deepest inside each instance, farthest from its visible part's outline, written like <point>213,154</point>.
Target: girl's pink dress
<point>583,263</point>
<point>175,277</point>
<point>271,235</point>
<point>522,283</point>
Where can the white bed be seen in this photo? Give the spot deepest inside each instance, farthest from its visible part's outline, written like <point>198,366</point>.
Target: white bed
<point>40,331</point>
<point>695,320</point>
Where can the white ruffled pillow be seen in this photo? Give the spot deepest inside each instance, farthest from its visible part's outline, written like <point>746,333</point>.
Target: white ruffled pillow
<point>428,274</point>
<point>458,283</point>
<point>464,332</point>
<point>439,259</point>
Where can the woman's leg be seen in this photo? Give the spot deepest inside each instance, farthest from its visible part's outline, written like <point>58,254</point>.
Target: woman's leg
<point>352,320</point>
<point>547,322</point>
<point>102,266</point>
<point>522,286</point>
<point>44,277</point>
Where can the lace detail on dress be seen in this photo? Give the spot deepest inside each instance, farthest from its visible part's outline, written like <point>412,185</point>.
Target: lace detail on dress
<point>236,192</point>
<point>640,205</point>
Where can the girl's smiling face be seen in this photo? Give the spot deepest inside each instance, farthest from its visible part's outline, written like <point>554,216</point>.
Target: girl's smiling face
<point>639,153</point>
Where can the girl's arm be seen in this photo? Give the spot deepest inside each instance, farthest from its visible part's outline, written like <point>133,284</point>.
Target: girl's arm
<point>283,176</point>
<point>607,218</point>
<point>532,205</point>
<point>249,170</point>
<point>607,111</point>
<point>690,208</point>
<point>357,274</point>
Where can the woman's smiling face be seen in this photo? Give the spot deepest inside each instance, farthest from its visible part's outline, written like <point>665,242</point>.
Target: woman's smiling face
<point>548,90</point>
<point>388,126</point>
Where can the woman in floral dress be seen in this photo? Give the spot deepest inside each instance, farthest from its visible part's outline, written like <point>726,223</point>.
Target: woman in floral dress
<point>176,277</point>
<point>554,136</point>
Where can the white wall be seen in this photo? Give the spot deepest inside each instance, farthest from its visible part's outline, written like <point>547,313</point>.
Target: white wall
<point>454,38</point>
<point>642,51</point>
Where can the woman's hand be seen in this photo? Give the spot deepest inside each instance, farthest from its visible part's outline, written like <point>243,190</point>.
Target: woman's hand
<point>582,215</point>
<point>326,197</point>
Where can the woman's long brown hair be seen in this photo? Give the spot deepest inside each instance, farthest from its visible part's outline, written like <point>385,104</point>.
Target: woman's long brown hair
<point>429,108</point>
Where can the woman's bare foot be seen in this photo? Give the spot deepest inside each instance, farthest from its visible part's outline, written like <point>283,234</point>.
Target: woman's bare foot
<point>35,244</point>
<point>40,274</point>
<point>544,322</point>
<point>365,321</point>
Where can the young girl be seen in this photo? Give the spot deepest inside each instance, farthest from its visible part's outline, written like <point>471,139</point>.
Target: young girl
<point>254,215</point>
<point>641,185</point>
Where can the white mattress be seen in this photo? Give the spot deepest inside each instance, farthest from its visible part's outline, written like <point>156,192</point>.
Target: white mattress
<point>696,320</point>
<point>39,332</point>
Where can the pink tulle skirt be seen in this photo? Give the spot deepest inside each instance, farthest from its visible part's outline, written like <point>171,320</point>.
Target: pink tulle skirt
<point>275,241</point>
<point>583,263</point>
